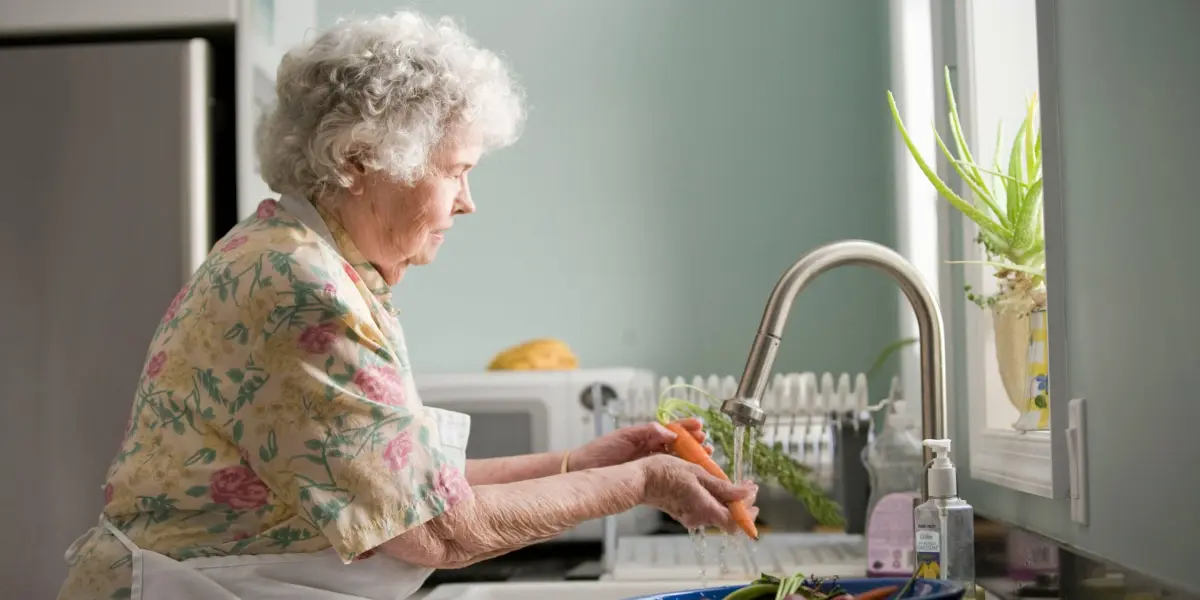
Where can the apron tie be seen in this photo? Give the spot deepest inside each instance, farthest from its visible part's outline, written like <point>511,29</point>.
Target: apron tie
<point>120,535</point>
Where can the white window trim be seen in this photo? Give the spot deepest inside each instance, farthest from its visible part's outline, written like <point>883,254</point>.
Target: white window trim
<point>1019,461</point>
<point>917,203</point>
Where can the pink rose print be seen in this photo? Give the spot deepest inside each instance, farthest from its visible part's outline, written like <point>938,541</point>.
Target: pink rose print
<point>108,493</point>
<point>173,309</point>
<point>156,364</point>
<point>266,209</point>
<point>382,385</point>
<point>351,273</point>
<point>238,487</point>
<point>234,243</point>
<point>397,451</point>
<point>329,289</point>
<point>451,486</point>
<point>317,339</point>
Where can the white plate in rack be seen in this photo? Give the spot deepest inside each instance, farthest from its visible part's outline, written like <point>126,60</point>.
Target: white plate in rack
<point>675,557</point>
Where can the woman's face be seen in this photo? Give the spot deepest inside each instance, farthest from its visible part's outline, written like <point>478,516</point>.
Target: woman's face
<point>396,225</point>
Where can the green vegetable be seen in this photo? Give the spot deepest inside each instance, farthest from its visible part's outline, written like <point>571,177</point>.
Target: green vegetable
<point>907,587</point>
<point>769,462</point>
<point>767,587</point>
<point>754,591</point>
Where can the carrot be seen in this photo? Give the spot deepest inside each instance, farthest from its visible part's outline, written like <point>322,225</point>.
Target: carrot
<point>877,593</point>
<point>687,448</point>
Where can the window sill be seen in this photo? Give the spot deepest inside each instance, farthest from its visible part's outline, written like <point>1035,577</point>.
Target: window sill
<point>1019,461</point>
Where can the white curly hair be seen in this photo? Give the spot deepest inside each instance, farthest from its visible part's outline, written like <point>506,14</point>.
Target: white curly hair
<point>381,93</point>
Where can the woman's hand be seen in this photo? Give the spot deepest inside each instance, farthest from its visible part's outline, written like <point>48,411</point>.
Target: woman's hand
<point>691,496</point>
<point>629,444</point>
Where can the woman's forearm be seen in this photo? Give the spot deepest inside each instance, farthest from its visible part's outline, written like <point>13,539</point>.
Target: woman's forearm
<point>510,469</point>
<point>505,517</point>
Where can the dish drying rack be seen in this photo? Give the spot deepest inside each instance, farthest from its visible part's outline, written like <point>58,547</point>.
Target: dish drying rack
<point>821,421</point>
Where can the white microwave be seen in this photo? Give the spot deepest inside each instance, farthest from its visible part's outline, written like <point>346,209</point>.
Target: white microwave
<point>527,412</point>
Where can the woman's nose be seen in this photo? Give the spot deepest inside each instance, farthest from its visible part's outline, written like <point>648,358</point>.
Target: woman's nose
<point>464,205</point>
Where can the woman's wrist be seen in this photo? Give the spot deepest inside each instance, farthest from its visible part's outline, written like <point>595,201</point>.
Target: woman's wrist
<point>643,472</point>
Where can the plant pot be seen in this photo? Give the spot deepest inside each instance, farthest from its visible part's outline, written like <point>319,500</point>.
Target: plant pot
<point>1012,349</point>
<point>1035,411</point>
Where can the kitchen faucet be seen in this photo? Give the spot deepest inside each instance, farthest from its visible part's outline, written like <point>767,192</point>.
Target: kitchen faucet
<point>744,407</point>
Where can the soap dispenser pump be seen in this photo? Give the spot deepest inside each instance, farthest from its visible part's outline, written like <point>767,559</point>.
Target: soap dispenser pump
<point>945,524</point>
<point>941,476</point>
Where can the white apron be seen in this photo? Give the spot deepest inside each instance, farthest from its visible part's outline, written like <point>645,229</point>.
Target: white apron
<point>298,576</point>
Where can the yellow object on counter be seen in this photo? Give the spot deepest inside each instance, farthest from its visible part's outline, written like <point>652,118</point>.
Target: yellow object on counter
<point>542,354</point>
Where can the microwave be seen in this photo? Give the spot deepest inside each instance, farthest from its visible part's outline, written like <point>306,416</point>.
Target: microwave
<point>528,412</point>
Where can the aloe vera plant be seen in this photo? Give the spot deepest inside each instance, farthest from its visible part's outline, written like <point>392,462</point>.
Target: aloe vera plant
<point>1006,204</point>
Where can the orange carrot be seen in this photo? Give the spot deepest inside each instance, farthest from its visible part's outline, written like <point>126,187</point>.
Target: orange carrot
<point>877,593</point>
<point>687,448</point>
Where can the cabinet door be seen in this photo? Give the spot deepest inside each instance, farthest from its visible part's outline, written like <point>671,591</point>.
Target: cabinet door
<point>104,158</point>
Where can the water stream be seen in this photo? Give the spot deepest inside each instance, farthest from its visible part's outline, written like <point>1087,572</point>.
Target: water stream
<point>735,553</point>
<point>744,549</point>
<point>698,542</point>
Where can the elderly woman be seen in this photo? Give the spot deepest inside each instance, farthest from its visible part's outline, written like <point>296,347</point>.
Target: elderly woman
<point>276,446</point>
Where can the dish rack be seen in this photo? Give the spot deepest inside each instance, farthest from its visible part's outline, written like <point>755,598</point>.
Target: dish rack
<point>821,421</point>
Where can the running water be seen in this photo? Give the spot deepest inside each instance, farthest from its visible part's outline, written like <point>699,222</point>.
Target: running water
<point>739,445</point>
<point>723,556</point>
<point>743,546</point>
<point>700,545</point>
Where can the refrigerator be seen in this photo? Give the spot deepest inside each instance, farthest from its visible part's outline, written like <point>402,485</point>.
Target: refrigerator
<point>123,157</point>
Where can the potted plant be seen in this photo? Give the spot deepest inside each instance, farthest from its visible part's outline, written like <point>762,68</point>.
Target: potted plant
<point>1006,205</point>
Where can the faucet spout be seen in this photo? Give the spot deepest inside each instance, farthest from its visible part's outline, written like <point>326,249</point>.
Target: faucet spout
<point>744,408</point>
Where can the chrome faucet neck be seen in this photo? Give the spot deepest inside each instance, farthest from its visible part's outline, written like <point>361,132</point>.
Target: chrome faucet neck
<point>744,408</point>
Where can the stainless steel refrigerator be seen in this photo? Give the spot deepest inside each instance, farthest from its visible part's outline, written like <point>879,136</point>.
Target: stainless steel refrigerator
<point>116,174</point>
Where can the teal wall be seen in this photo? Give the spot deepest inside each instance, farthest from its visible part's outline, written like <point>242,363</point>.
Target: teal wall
<point>1124,296</point>
<point>679,156</point>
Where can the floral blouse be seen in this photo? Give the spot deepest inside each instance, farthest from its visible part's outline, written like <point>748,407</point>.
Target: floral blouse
<point>276,413</point>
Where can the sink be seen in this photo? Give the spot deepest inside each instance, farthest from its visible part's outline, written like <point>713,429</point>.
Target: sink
<point>563,590</point>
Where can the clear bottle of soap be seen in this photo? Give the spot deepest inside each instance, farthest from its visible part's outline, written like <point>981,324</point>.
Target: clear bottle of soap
<point>895,464</point>
<point>945,525</point>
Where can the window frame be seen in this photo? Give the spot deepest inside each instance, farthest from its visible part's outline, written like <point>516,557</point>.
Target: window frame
<point>1014,460</point>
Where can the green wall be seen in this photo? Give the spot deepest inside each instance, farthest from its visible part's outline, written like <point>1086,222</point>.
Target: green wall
<point>1124,296</point>
<point>679,156</point>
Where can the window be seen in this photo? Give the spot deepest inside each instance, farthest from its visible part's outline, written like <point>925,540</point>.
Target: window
<point>990,47</point>
<point>998,74</point>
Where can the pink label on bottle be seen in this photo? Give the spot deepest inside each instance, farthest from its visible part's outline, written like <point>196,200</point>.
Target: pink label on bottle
<point>890,537</point>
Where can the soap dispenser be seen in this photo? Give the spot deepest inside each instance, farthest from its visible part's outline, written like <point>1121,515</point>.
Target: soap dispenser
<point>945,524</point>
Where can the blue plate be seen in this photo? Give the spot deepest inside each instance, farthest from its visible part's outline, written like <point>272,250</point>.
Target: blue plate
<point>925,589</point>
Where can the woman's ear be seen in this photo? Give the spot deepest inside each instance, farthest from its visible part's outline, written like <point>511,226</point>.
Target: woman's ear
<point>357,172</point>
<point>358,177</point>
